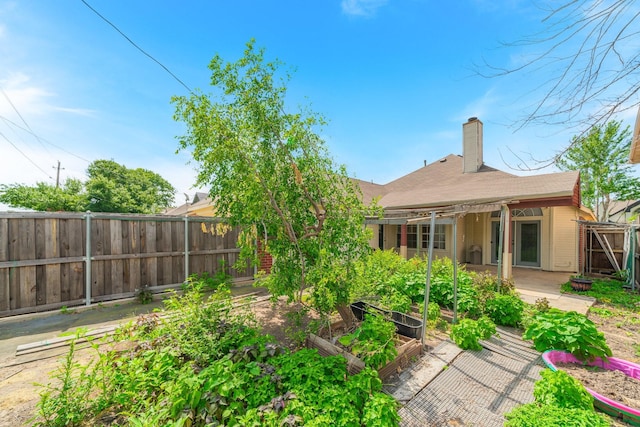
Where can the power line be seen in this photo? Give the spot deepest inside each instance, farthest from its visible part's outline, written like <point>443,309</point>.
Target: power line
<point>23,120</point>
<point>136,46</point>
<point>25,156</point>
<point>6,120</point>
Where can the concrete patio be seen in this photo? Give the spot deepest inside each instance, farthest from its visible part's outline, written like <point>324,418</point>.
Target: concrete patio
<point>533,284</point>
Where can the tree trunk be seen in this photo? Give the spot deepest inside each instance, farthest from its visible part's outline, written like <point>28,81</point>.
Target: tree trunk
<point>346,314</point>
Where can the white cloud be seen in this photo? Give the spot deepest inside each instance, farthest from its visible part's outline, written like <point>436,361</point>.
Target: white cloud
<point>481,108</point>
<point>361,7</point>
<point>29,98</point>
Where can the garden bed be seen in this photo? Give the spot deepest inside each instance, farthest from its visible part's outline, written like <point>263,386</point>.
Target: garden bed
<point>408,349</point>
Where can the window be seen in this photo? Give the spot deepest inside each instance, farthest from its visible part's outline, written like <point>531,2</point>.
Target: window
<point>438,236</point>
<point>520,212</point>
<point>412,236</point>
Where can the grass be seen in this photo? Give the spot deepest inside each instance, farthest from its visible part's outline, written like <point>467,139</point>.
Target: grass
<point>611,293</point>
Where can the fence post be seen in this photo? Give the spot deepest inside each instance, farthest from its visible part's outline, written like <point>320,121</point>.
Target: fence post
<point>87,259</point>
<point>186,248</point>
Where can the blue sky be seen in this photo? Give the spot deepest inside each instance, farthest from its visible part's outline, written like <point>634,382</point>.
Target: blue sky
<point>394,79</point>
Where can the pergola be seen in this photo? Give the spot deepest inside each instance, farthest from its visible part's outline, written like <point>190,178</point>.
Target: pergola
<point>449,215</point>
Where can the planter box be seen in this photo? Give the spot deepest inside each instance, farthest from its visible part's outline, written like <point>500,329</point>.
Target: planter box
<point>409,349</point>
<point>578,284</point>
<point>614,408</point>
<point>406,325</point>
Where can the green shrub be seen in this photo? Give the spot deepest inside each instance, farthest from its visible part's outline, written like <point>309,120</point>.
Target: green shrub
<point>486,327</point>
<point>561,389</point>
<point>434,313</point>
<point>205,364</point>
<point>535,415</point>
<point>467,333</point>
<point>505,309</point>
<point>569,331</point>
<point>204,282</point>
<point>373,341</point>
<point>560,400</point>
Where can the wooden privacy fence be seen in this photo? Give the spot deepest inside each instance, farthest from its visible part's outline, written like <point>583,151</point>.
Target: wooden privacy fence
<point>50,260</point>
<point>607,248</point>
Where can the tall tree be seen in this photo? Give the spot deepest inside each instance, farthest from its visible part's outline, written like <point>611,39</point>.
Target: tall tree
<point>111,187</point>
<point>271,174</point>
<point>602,156</point>
<point>45,197</point>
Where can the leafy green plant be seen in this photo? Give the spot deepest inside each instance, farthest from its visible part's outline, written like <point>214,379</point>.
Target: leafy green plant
<point>373,341</point>
<point>560,400</point>
<point>206,282</point>
<point>610,292</point>
<point>433,312</point>
<point>542,305</point>
<point>568,331</point>
<point>535,415</point>
<point>205,363</point>
<point>144,295</point>
<point>486,327</point>
<point>467,333</point>
<point>505,309</point>
<point>561,389</point>
<point>63,402</point>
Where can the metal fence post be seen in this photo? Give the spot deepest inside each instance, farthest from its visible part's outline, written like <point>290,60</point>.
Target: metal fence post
<point>87,259</point>
<point>186,248</point>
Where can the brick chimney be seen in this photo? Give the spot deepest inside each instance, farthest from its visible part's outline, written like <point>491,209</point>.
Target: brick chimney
<point>472,145</point>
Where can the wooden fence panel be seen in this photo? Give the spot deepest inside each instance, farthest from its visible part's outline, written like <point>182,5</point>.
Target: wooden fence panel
<point>4,272</point>
<point>43,265</point>
<point>117,265</point>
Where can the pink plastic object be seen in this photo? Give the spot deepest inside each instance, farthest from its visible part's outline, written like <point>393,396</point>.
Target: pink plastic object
<point>616,409</point>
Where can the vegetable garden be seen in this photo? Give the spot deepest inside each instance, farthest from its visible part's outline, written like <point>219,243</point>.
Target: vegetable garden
<point>205,362</point>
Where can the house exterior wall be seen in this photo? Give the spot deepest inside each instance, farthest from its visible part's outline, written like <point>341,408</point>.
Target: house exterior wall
<point>472,229</point>
<point>558,238</point>
<point>564,232</point>
<point>373,242</point>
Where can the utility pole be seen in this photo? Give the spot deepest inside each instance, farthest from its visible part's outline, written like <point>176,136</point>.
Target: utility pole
<point>57,174</point>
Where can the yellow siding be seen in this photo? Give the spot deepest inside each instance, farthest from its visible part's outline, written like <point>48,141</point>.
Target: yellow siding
<point>373,242</point>
<point>473,234</point>
<point>564,230</point>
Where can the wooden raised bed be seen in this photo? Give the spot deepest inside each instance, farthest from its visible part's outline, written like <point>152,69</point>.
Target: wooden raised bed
<point>409,348</point>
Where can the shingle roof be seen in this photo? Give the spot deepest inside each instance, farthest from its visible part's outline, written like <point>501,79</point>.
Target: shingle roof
<point>443,183</point>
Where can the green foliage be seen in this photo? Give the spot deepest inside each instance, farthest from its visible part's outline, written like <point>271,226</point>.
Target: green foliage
<point>610,292</point>
<point>442,288</point>
<point>45,197</point>
<point>433,312</point>
<point>561,389</point>
<point>467,333</point>
<point>64,402</point>
<point>486,327</point>
<point>273,176</point>
<point>602,157</point>
<point>206,364</point>
<point>560,400</point>
<point>111,187</point>
<point>505,309</point>
<point>144,295</point>
<point>568,331</point>
<point>534,415</point>
<point>542,305</point>
<point>373,341</point>
<point>204,282</point>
